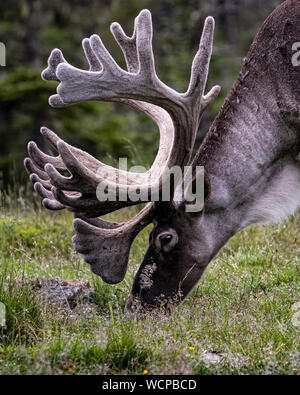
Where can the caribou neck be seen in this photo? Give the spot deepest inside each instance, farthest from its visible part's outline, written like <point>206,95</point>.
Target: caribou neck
<point>247,140</point>
<point>250,153</point>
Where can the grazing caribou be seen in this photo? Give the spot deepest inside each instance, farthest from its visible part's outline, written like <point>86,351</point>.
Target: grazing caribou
<point>250,155</point>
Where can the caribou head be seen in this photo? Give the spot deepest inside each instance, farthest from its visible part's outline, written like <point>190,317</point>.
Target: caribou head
<point>250,156</point>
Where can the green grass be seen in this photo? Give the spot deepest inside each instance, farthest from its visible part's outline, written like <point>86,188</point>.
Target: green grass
<point>241,309</point>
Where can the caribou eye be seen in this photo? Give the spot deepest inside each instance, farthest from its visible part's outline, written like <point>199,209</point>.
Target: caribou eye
<point>165,239</point>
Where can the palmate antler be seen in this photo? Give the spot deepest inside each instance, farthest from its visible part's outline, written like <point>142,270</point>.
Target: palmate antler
<point>106,246</point>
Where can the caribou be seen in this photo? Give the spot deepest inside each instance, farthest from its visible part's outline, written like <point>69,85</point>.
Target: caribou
<point>250,155</point>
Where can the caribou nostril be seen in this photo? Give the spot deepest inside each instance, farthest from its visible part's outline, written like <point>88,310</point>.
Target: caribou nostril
<point>165,239</point>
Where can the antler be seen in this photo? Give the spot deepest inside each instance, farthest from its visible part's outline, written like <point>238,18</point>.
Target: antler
<point>107,81</point>
<point>177,116</point>
<point>106,245</point>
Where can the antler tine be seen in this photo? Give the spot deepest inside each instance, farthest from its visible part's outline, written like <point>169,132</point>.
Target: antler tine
<point>39,158</point>
<point>52,204</point>
<point>35,178</point>
<point>128,46</point>
<point>33,169</point>
<point>42,191</point>
<point>200,67</point>
<point>56,57</point>
<point>94,63</point>
<point>144,33</point>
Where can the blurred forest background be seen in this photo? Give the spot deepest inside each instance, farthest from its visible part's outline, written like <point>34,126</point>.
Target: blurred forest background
<point>30,29</point>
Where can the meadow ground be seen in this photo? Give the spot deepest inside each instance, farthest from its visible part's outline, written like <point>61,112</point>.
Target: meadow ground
<point>241,318</point>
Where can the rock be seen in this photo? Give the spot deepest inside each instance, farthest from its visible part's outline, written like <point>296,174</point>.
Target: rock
<point>211,357</point>
<point>60,292</point>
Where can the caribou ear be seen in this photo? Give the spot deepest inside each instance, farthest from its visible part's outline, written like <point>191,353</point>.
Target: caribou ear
<point>164,210</point>
<point>195,192</point>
